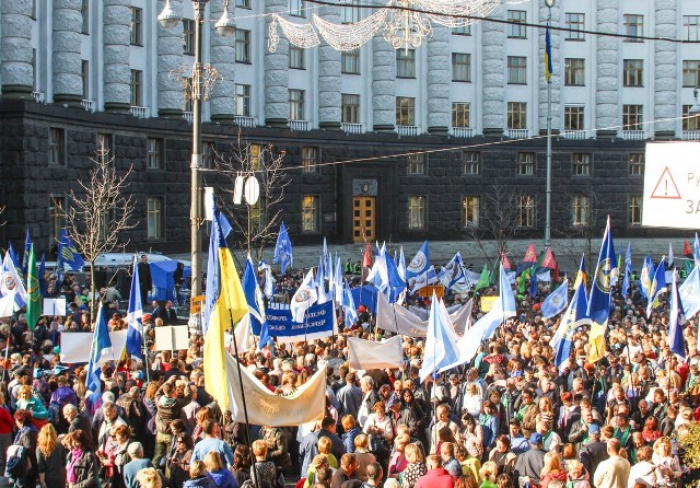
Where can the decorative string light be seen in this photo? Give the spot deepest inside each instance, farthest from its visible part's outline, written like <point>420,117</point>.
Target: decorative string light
<point>403,23</point>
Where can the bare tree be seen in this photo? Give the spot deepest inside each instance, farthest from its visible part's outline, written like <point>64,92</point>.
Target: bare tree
<point>499,220</point>
<point>260,223</point>
<point>99,212</point>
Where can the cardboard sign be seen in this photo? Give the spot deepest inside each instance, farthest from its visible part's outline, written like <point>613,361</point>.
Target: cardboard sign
<point>172,338</point>
<point>427,291</point>
<point>196,304</point>
<point>487,303</point>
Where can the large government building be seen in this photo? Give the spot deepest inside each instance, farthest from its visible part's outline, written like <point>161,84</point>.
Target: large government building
<point>379,143</point>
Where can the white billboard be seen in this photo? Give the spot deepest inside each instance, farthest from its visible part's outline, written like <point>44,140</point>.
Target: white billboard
<point>672,185</point>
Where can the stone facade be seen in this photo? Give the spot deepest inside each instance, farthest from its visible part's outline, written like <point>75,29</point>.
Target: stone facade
<point>16,73</point>
<point>67,81</point>
<point>117,72</point>
<point>170,58</point>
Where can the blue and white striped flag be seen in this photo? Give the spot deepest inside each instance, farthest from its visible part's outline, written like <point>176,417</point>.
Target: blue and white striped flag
<point>134,334</point>
<point>101,346</point>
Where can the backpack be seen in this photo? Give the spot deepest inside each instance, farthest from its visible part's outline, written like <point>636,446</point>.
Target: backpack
<point>16,464</point>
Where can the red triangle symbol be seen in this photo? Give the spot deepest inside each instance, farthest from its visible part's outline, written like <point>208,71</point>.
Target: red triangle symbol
<point>666,188</point>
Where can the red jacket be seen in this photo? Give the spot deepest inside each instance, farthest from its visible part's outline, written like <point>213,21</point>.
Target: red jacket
<point>436,478</point>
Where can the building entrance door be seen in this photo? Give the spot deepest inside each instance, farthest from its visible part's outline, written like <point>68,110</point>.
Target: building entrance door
<point>363,219</point>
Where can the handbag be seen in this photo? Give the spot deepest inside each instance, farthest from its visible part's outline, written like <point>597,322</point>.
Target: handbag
<point>15,465</point>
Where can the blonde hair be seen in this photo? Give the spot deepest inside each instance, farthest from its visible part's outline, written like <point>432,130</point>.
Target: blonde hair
<point>489,471</point>
<point>552,462</point>
<point>149,478</point>
<point>213,461</point>
<point>659,442</point>
<point>47,440</point>
<point>197,469</point>
<point>260,448</point>
<point>324,445</point>
<point>402,439</point>
<point>348,422</point>
<point>24,390</point>
<point>413,453</point>
<point>361,441</point>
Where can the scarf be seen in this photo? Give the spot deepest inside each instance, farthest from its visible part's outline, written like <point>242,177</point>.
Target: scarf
<point>75,455</point>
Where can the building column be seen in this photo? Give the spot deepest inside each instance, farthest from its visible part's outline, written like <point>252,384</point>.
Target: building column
<point>439,79</point>
<point>493,103</point>
<point>16,49</point>
<point>329,98</point>
<point>555,38</point>
<point>67,65</point>
<point>665,69</point>
<point>607,109</point>
<point>117,70</point>
<point>383,85</point>
<point>276,73</point>
<point>170,58</point>
<point>222,54</point>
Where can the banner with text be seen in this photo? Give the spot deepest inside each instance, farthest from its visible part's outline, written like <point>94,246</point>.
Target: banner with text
<point>319,321</point>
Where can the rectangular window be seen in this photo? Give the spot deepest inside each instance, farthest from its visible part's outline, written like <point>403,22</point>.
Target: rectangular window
<point>405,111</point>
<point>416,212</point>
<point>517,70</point>
<point>57,219</point>
<point>188,37</point>
<point>462,30</point>
<point>517,115</point>
<point>634,27</point>
<point>515,20</point>
<point>405,63</point>
<point>573,117</point>
<point>471,161</point>
<point>350,108</point>
<point>34,69</point>
<point>85,77</point>
<point>57,146</point>
<point>243,100</point>
<point>242,46</point>
<point>296,58</point>
<point>526,164</point>
<point>105,143</point>
<point>416,163</point>
<point>691,27</point>
<point>297,8</point>
<point>632,117</point>
<point>526,211</point>
<point>635,210</point>
<point>350,62</point>
<point>296,105</point>
<point>85,16</point>
<point>309,158</point>
<point>691,73</point>
<point>461,67</point>
<point>580,211</point>
<point>633,71</point>
<point>208,152</point>
<point>186,95</point>
<point>136,27</point>
<point>689,123</point>
<point>575,24</point>
<point>155,153</point>
<point>637,164</point>
<point>309,213</point>
<point>351,12</point>
<point>471,211</point>
<point>242,3</point>
<point>574,71</point>
<point>154,216</point>
<point>136,87</point>
<point>582,164</point>
<point>460,114</point>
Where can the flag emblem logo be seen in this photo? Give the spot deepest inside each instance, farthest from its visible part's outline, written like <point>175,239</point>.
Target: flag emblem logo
<point>603,274</point>
<point>418,262</point>
<point>302,296</point>
<point>10,283</point>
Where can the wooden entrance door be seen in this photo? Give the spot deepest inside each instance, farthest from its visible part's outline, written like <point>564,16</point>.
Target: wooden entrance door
<point>363,219</point>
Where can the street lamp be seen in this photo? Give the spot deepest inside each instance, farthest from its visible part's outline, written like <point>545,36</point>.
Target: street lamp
<point>225,26</point>
<point>548,191</point>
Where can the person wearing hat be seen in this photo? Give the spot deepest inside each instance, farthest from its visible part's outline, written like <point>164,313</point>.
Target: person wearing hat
<point>529,465</point>
<point>594,451</point>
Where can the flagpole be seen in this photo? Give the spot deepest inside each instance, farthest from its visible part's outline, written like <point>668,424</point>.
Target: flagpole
<point>548,191</point>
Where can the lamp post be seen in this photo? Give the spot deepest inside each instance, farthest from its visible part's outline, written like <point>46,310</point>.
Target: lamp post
<point>201,82</point>
<point>548,191</point>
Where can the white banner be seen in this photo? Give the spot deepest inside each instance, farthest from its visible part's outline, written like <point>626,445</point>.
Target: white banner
<point>396,318</point>
<point>266,408</point>
<point>364,355</point>
<point>172,338</point>
<point>76,346</point>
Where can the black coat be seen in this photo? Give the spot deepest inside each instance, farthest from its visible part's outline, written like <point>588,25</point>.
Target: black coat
<point>86,470</point>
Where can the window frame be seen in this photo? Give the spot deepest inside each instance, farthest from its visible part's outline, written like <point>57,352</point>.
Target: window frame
<point>465,113</point>
<point>633,73</point>
<point>580,211</point>
<point>85,17</point>
<point>471,163</point>
<point>581,164</point>
<point>155,219</point>
<point>570,21</point>
<point>155,154</point>
<point>416,163</point>
<point>136,88</point>
<point>633,22</point>
<point>691,73</point>
<point>101,138</point>
<point>350,62</point>
<point>516,70</point>
<point>348,107</point>
<point>527,211</point>
<point>297,60</point>
<point>208,154</point>
<point>56,147</point>
<point>188,31</point>
<point>409,109</point>
<point>417,213</point>
<point>242,48</point>
<point>517,115</point>
<point>461,65</point>
<point>297,104</point>
<point>310,214</point>
<point>310,157</point>
<point>406,64</point>
<point>574,72</point>
<point>634,210</point>
<point>85,77</point>
<point>244,99</point>
<point>297,8</point>
<point>473,209</point>
<point>627,110</point>
<point>570,116</point>
<point>688,26</point>
<point>637,163</point>
<point>526,163</point>
<point>136,26</point>
<point>243,4</point>
<point>515,18</point>
<point>57,209</point>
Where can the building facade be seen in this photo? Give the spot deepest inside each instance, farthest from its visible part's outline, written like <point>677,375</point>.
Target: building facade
<point>379,143</point>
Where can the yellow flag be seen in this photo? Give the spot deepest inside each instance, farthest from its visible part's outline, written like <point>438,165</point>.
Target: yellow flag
<point>596,342</point>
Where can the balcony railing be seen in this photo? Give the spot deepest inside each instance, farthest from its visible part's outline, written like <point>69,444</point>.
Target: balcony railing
<point>299,125</point>
<point>407,130</point>
<point>633,135</point>
<point>244,121</point>
<point>39,97</point>
<point>188,116</point>
<point>352,128</point>
<point>691,135</point>
<point>88,105</point>
<point>463,132</point>
<point>139,112</point>
<point>574,134</point>
<point>518,133</point>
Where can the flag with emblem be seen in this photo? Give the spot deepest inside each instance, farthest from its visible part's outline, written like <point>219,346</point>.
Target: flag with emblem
<point>555,303</point>
<point>10,281</point>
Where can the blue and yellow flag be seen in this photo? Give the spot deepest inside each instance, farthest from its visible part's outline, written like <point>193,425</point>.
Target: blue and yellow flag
<point>547,55</point>
<point>68,254</point>
<point>226,305</point>
<point>574,317</point>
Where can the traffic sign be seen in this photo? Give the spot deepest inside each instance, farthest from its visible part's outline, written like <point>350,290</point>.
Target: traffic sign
<point>672,185</point>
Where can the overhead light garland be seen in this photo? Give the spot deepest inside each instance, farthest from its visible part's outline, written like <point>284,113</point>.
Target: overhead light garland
<point>403,23</point>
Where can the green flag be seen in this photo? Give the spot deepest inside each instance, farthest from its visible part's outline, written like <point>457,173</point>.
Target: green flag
<point>33,293</point>
<point>483,279</point>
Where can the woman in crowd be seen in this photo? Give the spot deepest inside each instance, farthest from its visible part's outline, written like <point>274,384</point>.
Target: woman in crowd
<point>51,458</point>
<point>178,463</point>
<point>668,468</point>
<point>398,461</point>
<point>83,468</point>
<point>27,438</point>
<point>380,429</point>
<point>552,470</point>
<point>416,466</point>
<point>217,472</point>
<point>363,456</point>
<point>264,472</point>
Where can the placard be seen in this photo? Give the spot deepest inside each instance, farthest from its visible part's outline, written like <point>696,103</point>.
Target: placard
<point>55,306</point>
<point>487,303</point>
<point>172,338</point>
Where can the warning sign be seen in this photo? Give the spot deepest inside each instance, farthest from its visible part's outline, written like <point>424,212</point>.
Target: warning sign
<point>666,187</point>
<point>672,185</point>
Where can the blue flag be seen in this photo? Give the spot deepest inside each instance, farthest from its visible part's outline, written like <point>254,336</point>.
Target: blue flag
<point>646,276</point>
<point>220,230</point>
<point>323,295</point>
<point>251,291</point>
<point>283,250</point>
<point>690,293</point>
<point>628,271</point>
<point>68,254</point>
<point>658,286</point>
<point>101,346</point>
<point>396,284</point>
<point>696,250</point>
<point>676,321</point>
<point>15,258</point>
<point>441,343</point>
<point>27,250</point>
<point>556,302</point>
<point>134,334</point>
<point>419,264</point>
<point>574,317</point>
<point>349,307</point>
<point>534,291</point>
<point>547,55</point>
<point>42,275</point>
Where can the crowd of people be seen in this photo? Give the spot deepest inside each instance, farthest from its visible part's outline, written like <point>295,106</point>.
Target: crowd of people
<point>509,419</point>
